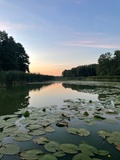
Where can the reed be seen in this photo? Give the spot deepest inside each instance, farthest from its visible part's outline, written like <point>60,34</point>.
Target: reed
<point>8,78</point>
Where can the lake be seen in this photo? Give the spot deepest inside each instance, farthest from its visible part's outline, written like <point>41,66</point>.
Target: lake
<point>84,118</point>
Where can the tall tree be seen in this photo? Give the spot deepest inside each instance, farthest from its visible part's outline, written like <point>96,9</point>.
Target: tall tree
<point>12,54</point>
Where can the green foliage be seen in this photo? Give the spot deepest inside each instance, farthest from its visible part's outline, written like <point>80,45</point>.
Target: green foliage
<point>12,54</point>
<point>86,113</point>
<point>44,109</point>
<point>26,114</point>
<point>90,101</point>
<point>81,71</point>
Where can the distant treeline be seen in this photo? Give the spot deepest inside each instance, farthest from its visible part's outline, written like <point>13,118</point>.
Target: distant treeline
<point>108,65</point>
<point>8,78</point>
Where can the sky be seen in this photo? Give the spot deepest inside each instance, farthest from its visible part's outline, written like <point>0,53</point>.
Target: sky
<point>62,34</point>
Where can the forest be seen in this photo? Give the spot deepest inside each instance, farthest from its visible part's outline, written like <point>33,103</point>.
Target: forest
<point>108,65</point>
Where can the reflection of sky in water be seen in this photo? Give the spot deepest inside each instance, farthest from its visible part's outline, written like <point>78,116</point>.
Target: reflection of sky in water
<point>55,94</point>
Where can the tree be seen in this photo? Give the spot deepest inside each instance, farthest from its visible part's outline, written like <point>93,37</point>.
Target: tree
<point>104,64</point>
<point>12,54</point>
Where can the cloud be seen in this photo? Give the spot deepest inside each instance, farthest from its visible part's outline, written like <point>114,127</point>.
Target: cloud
<point>90,43</point>
<point>10,26</point>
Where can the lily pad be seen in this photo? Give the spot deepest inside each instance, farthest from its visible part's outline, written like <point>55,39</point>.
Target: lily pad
<point>83,132</point>
<point>103,133</point>
<point>59,154</point>
<point>114,138</point>
<point>88,149</point>
<point>41,140</point>
<point>48,157</point>
<point>52,146</point>
<point>49,129</point>
<point>21,136</point>
<point>117,147</point>
<point>9,149</point>
<point>81,156</point>
<point>32,154</point>
<point>72,130</point>
<point>69,148</point>
<point>37,132</point>
<point>103,152</point>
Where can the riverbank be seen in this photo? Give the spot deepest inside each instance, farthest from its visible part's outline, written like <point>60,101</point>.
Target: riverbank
<point>91,78</point>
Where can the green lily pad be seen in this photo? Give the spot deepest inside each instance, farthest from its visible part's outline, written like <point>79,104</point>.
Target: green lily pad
<point>49,129</point>
<point>59,154</point>
<point>33,127</point>
<point>48,157</point>
<point>41,140</point>
<point>21,136</point>
<point>32,154</point>
<point>72,130</point>
<point>9,149</point>
<point>69,148</point>
<point>10,129</point>
<point>114,138</point>
<point>36,132</point>
<point>104,133</point>
<point>88,149</point>
<point>83,132</point>
<point>81,156</point>
<point>52,146</point>
<point>103,152</point>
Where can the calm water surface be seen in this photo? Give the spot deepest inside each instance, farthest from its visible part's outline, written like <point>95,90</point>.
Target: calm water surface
<point>42,95</point>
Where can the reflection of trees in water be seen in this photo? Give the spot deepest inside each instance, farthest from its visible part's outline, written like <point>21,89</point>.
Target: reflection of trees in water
<point>103,91</point>
<point>17,97</point>
<point>79,88</point>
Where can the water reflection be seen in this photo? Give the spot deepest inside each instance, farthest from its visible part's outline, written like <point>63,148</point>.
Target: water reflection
<point>17,97</point>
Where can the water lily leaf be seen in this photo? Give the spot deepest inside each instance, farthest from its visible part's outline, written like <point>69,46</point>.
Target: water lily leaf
<point>104,133</point>
<point>21,136</point>
<point>48,157</point>
<point>114,138</point>
<point>81,156</point>
<point>83,132</point>
<point>52,146</point>
<point>41,140</point>
<point>61,124</point>
<point>99,117</point>
<point>9,149</point>
<point>10,129</point>
<point>33,126</point>
<point>32,154</point>
<point>117,147</point>
<point>103,152</point>
<point>2,123</point>
<point>72,130</point>
<point>69,148</point>
<point>37,132</point>
<point>49,129</point>
<point>45,123</point>
<point>88,149</point>
<point>59,154</point>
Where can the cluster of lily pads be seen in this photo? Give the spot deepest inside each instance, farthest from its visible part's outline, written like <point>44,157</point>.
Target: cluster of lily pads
<point>40,121</point>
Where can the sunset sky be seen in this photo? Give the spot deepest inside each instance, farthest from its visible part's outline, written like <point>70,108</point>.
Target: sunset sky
<point>61,34</point>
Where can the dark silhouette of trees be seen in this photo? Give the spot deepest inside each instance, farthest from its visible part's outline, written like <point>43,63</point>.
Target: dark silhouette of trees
<point>12,54</point>
<point>81,71</point>
<point>108,65</point>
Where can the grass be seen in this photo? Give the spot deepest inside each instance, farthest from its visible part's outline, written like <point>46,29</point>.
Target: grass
<point>8,78</point>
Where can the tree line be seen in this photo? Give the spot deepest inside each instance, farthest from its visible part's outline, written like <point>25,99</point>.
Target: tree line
<point>108,65</point>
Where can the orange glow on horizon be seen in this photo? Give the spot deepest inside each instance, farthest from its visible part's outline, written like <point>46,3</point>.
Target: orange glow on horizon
<point>47,70</point>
